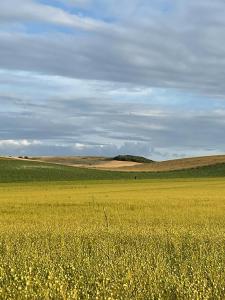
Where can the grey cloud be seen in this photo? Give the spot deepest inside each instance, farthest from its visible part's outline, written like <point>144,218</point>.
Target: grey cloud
<point>174,53</point>
<point>33,148</point>
<point>180,47</point>
<point>113,125</point>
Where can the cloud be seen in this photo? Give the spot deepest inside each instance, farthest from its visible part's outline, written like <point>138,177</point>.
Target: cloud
<point>71,116</point>
<point>168,52</point>
<point>28,10</point>
<point>17,144</point>
<point>107,76</point>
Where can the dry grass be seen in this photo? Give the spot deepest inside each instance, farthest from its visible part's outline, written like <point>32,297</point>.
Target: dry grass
<point>179,164</point>
<point>85,161</point>
<point>108,164</point>
<point>115,164</point>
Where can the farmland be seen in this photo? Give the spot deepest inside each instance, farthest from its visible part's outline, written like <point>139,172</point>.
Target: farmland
<point>78,233</point>
<point>29,171</point>
<point>152,239</point>
<point>141,164</point>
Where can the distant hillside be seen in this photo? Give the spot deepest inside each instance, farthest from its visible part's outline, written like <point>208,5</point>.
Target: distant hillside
<point>73,160</point>
<point>29,171</point>
<point>138,159</point>
<point>177,164</point>
<point>130,163</point>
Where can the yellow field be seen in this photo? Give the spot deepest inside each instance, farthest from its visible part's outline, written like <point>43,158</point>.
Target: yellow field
<point>128,240</point>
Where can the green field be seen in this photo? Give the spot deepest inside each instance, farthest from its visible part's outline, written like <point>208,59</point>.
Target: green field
<point>28,171</point>
<point>146,239</point>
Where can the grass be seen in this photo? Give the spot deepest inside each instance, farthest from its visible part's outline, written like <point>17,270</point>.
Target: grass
<point>69,160</point>
<point>28,171</point>
<point>150,239</point>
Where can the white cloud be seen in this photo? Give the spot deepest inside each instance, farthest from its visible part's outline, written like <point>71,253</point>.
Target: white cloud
<point>18,143</point>
<point>80,146</point>
<point>28,10</point>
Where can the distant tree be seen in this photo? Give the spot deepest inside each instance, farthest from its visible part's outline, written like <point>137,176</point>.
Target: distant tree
<point>133,158</point>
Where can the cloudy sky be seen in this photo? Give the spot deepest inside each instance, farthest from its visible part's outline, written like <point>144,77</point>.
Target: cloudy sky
<point>97,77</point>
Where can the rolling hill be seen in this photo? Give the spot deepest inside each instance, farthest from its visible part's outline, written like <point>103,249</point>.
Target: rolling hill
<point>16,170</point>
<point>178,164</point>
<point>134,163</point>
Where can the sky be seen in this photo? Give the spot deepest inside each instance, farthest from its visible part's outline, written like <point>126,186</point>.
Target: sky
<point>97,77</point>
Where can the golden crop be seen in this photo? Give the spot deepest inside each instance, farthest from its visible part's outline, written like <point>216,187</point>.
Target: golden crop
<point>115,240</point>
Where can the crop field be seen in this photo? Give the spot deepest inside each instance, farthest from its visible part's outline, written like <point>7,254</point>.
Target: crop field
<point>144,239</point>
